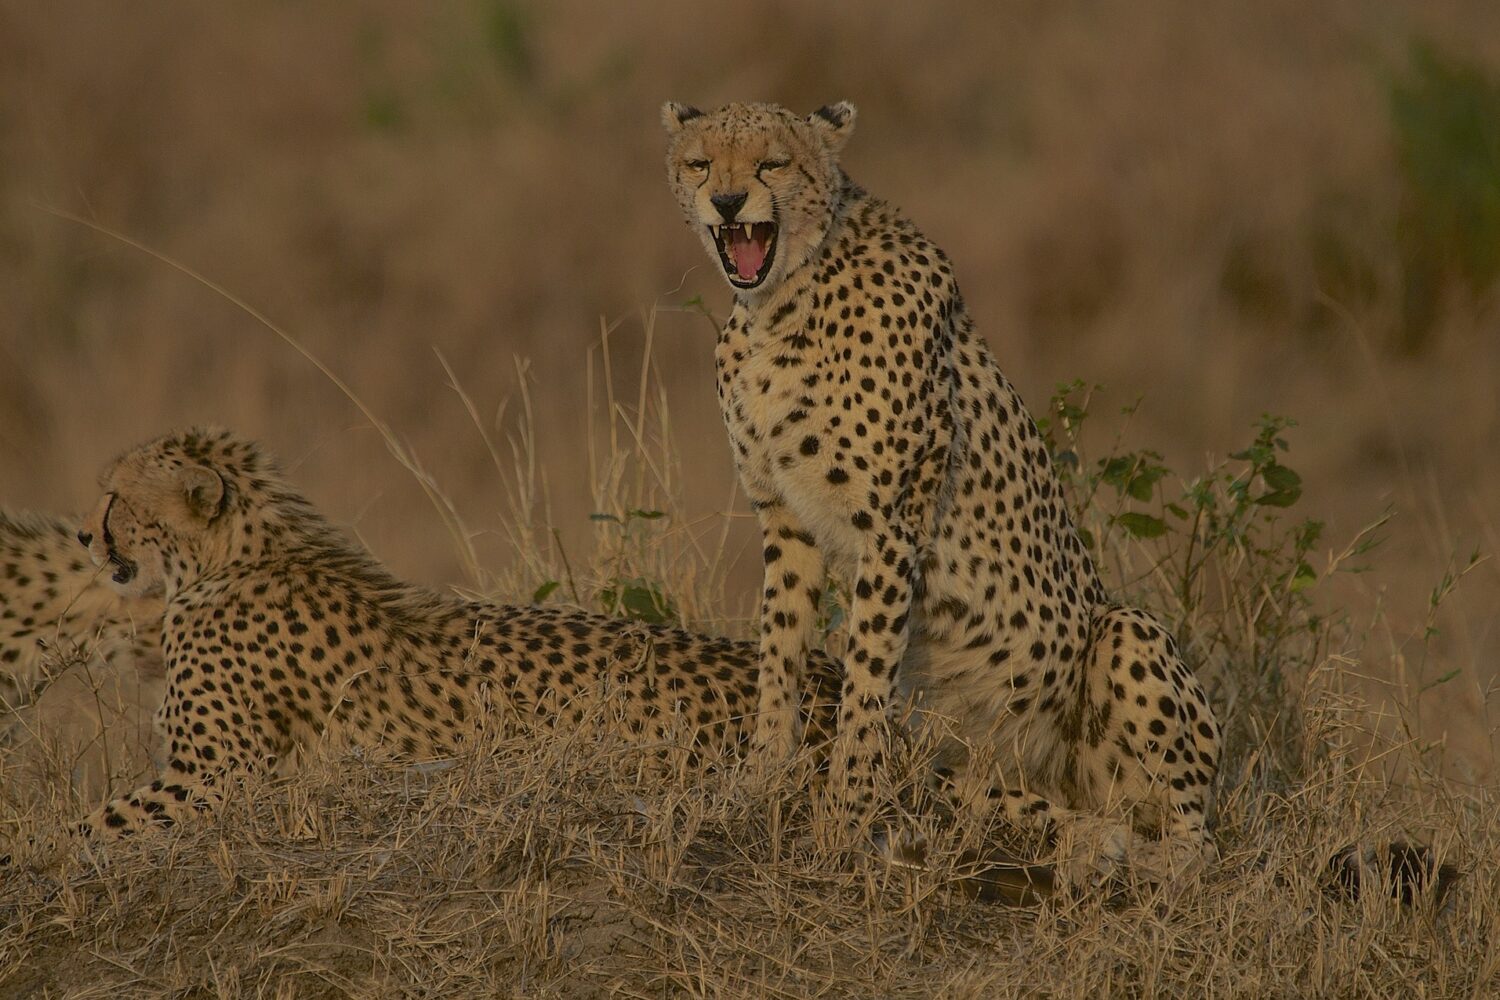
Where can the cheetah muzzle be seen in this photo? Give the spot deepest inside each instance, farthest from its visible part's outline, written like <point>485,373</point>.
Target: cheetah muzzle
<point>124,569</point>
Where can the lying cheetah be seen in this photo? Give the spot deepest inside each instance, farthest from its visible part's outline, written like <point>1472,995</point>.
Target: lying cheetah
<point>877,440</point>
<point>54,604</point>
<point>80,668</point>
<point>279,633</point>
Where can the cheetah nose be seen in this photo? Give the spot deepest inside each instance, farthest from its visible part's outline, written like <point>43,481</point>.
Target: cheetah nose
<point>85,538</point>
<point>729,204</point>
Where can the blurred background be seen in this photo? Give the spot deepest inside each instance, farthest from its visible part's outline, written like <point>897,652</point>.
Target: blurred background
<point>1281,207</point>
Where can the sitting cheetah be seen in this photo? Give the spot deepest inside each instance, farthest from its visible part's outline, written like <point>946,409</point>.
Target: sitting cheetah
<point>278,633</point>
<point>878,441</point>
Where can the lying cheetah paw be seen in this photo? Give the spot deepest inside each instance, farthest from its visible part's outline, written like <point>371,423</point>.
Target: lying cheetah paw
<point>1091,850</point>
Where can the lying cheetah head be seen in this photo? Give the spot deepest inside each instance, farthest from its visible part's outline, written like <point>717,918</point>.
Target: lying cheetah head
<point>172,509</point>
<point>758,183</point>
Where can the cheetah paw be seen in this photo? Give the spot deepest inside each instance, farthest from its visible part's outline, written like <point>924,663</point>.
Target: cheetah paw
<point>1173,861</point>
<point>1091,850</point>
<point>772,744</point>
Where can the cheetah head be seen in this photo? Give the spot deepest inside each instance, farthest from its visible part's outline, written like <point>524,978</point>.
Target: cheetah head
<point>166,512</point>
<point>758,183</point>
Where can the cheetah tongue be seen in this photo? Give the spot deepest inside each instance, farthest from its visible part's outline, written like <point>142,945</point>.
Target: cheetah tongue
<point>747,247</point>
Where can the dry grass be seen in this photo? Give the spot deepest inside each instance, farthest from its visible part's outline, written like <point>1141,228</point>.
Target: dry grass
<point>409,194</point>
<point>579,865</point>
<point>89,730</point>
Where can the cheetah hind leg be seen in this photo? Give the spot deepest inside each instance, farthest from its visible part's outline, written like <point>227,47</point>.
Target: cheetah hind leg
<point>1149,743</point>
<point>1089,850</point>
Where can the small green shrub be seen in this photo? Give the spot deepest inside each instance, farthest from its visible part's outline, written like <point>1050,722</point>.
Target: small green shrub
<point>1219,554</point>
<point>624,595</point>
<point>1445,116</point>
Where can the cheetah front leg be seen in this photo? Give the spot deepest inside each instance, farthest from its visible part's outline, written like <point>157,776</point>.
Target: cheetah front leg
<point>879,619</point>
<point>896,520</point>
<point>164,802</point>
<point>794,577</point>
<point>202,753</point>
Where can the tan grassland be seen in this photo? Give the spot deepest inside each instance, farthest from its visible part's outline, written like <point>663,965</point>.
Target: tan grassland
<point>459,209</point>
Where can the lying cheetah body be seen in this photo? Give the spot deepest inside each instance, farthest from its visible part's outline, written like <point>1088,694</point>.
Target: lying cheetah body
<point>279,634</point>
<point>878,441</point>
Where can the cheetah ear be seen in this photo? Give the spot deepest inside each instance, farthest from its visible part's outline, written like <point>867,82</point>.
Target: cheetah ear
<point>834,122</point>
<point>202,490</point>
<point>674,116</point>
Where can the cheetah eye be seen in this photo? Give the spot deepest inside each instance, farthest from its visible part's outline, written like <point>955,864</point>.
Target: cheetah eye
<point>697,164</point>
<point>765,165</point>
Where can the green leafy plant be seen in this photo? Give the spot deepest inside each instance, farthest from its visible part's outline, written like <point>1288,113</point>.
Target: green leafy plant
<point>1445,120</point>
<point>630,596</point>
<point>1223,548</point>
<point>622,595</point>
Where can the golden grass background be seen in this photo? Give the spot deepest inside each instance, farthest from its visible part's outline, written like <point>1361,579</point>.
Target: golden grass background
<point>1136,195</point>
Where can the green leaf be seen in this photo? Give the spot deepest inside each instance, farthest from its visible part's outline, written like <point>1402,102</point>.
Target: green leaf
<point>1280,478</point>
<point>1443,679</point>
<point>1086,537</point>
<point>1114,470</point>
<point>1308,534</point>
<point>544,591</point>
<point>1142,525</point>
<point>597,516</point>
<point>1303,578</point>
<point>644,515</point>
<point>1279,498</point>
<point>638,599</point>
<point>1144,484</point>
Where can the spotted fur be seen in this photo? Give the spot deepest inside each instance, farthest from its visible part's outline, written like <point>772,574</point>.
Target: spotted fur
<point>55,606</point>
<point>278,633</point>
<point>878,441</point>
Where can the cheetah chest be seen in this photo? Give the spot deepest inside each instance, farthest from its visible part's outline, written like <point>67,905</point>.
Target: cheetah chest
<point>774,394</point>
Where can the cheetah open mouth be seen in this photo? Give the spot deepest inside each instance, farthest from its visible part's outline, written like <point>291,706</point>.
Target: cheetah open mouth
<point>747,251</point>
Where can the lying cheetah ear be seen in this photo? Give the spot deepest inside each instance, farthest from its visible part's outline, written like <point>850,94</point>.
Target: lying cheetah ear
<point>202,491</point>
<point>834,122</point>
<point>674,116</point>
